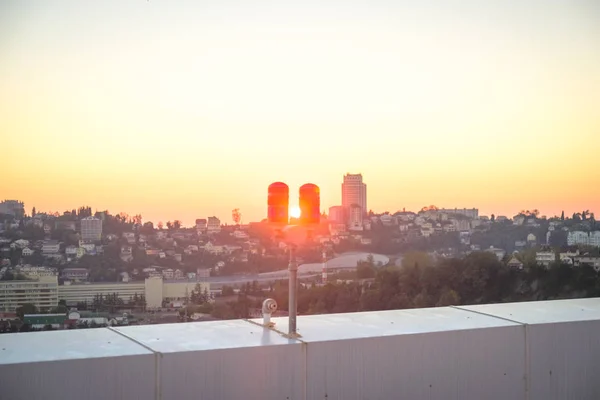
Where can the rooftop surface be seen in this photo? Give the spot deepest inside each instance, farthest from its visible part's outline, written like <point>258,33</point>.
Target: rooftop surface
<point>388,323</point>
<point>543,350</point>
<point>542,312</point>
<point>196,336</point>
<point>28,347</point>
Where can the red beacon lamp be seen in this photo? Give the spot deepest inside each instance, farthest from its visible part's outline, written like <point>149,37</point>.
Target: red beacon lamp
<point>295,235</point>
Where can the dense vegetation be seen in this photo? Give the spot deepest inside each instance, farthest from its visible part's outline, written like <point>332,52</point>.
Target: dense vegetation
<point>477,278</point>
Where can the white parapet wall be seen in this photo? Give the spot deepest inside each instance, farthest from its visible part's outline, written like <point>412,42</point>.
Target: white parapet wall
<point>536,350</point>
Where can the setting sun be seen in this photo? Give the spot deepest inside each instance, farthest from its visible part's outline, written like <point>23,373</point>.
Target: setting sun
<point>294,211</point>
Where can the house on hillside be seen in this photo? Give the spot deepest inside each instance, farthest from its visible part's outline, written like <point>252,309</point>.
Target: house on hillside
<point>515,263</point>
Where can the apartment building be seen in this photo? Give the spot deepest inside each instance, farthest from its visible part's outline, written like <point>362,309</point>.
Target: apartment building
<point>41,292</point>
<point>213,225</point>
<point>155,289</point>
<point>354,191</point>
<point>91,229</point>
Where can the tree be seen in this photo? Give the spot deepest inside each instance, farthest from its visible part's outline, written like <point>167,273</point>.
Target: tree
<point>365,271</point>
<point>176,224</point>
<point>416,257</point>
<point>236,216</point>
<point>198,296</point>
<point>448,298</point>
<point>160,225</point>
<point>493,218</point>
<point>169,225</point>
<point>26,308</point>
<point>562,216</point>
<point>33,212</point>
<point>148,228</point>
<point>60,309</point>
<point>227,290</point>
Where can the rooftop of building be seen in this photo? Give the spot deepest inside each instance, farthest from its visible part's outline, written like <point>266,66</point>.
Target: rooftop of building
<point>534,350</point>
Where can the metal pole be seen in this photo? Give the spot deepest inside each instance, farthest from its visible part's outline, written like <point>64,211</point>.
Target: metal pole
<point>293,269</point>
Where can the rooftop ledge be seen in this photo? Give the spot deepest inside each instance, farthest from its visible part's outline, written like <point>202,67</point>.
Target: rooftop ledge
<point>532,350</point>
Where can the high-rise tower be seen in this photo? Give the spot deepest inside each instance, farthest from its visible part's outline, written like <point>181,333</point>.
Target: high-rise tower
<point>354,191</point>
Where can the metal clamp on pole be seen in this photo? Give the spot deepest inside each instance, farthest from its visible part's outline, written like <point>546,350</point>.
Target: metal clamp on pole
<point>293,287</point>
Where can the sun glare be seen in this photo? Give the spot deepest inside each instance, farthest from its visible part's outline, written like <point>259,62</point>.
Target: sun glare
<point>295,212</point>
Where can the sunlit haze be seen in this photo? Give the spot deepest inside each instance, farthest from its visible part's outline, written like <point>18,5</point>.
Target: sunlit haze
<point>181,110</point>
<point>295,212</point>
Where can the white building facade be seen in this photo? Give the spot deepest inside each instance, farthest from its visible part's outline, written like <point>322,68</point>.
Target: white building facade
<point>41,292</point>
<point>91,229</point>
<point>583,238</point>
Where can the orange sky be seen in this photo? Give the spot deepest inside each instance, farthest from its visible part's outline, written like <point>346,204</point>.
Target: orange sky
<point>184,110</point>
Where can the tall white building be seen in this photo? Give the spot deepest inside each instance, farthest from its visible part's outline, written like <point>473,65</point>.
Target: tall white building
<point>91,229</point>
<point>354,191</point>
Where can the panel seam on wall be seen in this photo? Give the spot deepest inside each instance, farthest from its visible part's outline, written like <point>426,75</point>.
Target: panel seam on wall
<point>304,351</point>
<point>157,356</point>
<point>526,344</point>
<point>488,315</point>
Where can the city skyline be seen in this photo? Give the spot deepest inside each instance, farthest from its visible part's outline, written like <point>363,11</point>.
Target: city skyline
<point>176,111</point>
<point>294,209</point>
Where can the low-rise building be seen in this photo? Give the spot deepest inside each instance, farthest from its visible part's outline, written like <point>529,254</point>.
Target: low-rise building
<point>86,292</point>
<point>592,261</point>
<point>213,249</point>
<point>387,220</point>
<point>41,321</point>
<point>499,253</point>
<point>34,272</point>
<point>461,225</point>
<point>71,251</point>
<point>19,244</point>
<point>130,237</point>
<point>545,258</point>
<point>41,292</point>
<point>241,235</point>
<point>472,213</point>
<point>27,252</point>
<point>75,274</point>
<point>515,263</point>
<point>50,247</point>
<point>568,257</point>
<point>89,247</point>
<point>66,225</point>
<point>126,253</point>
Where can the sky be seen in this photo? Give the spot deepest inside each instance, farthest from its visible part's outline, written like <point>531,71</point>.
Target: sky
<point>186,109</point>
